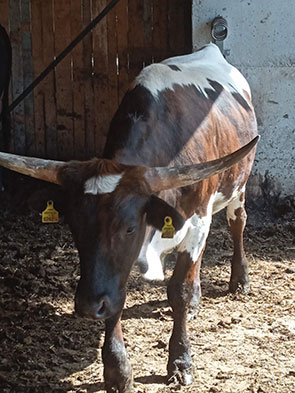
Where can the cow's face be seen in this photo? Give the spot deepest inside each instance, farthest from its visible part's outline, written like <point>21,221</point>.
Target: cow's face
<point>108,213</point>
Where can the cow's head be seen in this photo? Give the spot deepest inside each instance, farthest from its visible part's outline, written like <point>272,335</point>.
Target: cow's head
<point>109,205</point>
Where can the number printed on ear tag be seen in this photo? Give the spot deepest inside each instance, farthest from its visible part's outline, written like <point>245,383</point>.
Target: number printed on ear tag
<point>168,230</point>
<point>50,215</point>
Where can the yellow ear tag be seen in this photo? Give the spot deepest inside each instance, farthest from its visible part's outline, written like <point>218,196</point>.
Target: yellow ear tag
<point>168,230</point>
<point>50,215</point>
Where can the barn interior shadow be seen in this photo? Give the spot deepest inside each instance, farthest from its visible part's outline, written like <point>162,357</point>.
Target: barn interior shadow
<point>42,342</point>
<point>42,348</point>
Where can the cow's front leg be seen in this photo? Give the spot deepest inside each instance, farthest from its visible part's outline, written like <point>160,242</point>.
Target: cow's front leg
<point>184,292</point>
<point>181,290</point>
<point>236,216</point>
<point>117,369</point>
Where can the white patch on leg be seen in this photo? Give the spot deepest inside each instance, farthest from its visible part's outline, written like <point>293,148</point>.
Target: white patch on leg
<point>155,268</point>
<point>159,246</point>
<point>197,234</point>
<point>220,201</point>
<point>102,184</point>
<point>235,204</point>
<point>196,237</point>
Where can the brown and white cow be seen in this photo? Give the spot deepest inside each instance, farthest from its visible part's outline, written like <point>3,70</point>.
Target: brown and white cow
<point>169,152</point>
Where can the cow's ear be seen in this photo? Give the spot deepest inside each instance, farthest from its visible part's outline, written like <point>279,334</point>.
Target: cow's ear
<point>157,210</point>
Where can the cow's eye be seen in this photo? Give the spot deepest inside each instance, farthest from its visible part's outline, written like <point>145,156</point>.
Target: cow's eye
<point>131,230</point>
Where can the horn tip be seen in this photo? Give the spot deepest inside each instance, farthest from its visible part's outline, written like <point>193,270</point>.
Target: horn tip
<point>256,139</point>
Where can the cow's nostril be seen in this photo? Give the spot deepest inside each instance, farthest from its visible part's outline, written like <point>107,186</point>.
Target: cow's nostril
<point>143,266</point>
<point>103,307</point>
<point>99,309</point>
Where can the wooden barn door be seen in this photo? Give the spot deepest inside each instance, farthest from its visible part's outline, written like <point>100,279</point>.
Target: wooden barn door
<point>68,114</point>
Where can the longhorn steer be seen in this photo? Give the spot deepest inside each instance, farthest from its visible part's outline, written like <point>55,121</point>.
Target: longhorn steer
<point>5,72</point>
<point>162,158</point>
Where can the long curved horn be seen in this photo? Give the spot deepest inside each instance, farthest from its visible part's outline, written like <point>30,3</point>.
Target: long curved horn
<point>164,178</point>
<point>31,166</point>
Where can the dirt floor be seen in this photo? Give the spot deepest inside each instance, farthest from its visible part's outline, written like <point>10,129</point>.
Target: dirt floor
<point>240,343</point>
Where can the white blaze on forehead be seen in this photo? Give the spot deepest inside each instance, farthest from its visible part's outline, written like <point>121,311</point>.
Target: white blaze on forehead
<point>102,184</point>
<point>194,69</point>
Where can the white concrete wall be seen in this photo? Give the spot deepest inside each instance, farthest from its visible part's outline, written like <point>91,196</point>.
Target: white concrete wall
<point>261,44</point>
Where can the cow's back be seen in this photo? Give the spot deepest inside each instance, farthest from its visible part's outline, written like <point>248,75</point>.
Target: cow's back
<point>187,109</point>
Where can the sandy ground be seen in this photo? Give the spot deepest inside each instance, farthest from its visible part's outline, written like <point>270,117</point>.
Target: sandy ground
<point>240,343</point>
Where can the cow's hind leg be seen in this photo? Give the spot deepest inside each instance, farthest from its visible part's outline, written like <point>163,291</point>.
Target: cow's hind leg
<point>236,217</point>
<point>117,369</point>
<point>183,288</point>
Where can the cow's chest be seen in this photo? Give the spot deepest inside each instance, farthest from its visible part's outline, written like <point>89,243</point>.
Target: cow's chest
<point>191,238</point>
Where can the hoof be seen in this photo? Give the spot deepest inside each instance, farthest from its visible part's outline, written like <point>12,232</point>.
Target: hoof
<point>193,312</point>
<point>244,286</point>
<point>118,380</point>
<point>123,386</point>
<point>183,377</point>
<point>181,371</point>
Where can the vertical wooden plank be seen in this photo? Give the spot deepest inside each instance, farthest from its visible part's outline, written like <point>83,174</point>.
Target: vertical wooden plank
<point>175,18</point>
<point>30,147</point>
<point>160,30</point>
<point>148,31</point>
<point>4,15</point>
<point>4,21</point>
<point>89,108</point>
<point>112,64</point>
<point>17,74</point>
<point>188,28</point>
<point>38,66</point>
<point>78,82</point>
<point>63,72</point>
<point>48,84</point>
<point>177,27</point>
<point>100,77</point>
<point>122,45</point>
<point>135,37</point>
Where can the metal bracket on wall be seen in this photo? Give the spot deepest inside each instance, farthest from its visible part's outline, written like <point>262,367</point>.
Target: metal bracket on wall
<point>219,31</point>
